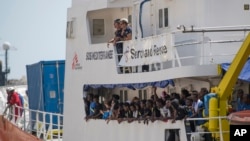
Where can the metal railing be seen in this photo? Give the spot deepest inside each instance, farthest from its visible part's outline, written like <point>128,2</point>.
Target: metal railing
<point>195,49</point>
<point>44,125</point>
<point>219,130</point>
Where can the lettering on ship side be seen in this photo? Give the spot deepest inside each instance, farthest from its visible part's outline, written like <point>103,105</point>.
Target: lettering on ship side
<point>99,55</point>
<point>154,51</point>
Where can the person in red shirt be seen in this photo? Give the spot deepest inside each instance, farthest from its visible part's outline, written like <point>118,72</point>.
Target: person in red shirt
<point>13,99</point>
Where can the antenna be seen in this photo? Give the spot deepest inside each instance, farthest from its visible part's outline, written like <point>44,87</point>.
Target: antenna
<point>6,46</point>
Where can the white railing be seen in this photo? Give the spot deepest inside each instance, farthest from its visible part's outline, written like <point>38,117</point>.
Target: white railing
<point>201,132</point>
<point>189,49</point>
<point>44,125</point>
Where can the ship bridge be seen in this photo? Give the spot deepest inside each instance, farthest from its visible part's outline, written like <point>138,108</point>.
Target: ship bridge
<point>164,44</point>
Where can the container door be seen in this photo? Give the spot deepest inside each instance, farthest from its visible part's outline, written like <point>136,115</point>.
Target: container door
<point>53,89</point>
<point>50,88</point>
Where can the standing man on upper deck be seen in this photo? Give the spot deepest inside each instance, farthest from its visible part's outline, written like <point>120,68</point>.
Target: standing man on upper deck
<point>117,32</point>
<point>117,38</point>
<point>126,33</point>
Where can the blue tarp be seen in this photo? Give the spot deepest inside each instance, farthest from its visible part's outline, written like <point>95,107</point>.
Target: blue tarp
<point>134,86</point>
<point>245,72</point>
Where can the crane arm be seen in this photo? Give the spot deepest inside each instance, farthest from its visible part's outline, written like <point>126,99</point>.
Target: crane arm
<point>227,83</point>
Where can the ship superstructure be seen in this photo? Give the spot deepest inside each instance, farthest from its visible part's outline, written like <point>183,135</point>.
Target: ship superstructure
<point>175,44</point>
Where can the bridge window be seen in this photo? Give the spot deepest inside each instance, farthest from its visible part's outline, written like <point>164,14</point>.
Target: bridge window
<point>98,27</point>
<point>166,17</point>
<point>163,18</point>
<point>246,6</point>
<point>160,18</point>
<point>70,29</point>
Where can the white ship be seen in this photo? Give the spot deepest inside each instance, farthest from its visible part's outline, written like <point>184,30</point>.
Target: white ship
<point>175,44</point>
<point>178,40</point>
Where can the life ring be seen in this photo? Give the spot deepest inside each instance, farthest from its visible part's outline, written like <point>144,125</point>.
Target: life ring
<point>240,118</point>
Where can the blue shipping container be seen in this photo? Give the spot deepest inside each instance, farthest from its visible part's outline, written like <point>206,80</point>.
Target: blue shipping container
<point>45,81</point>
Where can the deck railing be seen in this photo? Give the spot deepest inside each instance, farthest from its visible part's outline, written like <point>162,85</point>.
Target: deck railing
<point>44,125</point>
<point>197,135</point>
<point>188,49</point>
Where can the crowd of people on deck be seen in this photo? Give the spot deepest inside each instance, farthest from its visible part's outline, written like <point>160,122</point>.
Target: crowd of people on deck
<point>172,106</point>
<point>167,106</point>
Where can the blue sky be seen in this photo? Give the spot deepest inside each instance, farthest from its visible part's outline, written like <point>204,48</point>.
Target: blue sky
<point>36,28</point>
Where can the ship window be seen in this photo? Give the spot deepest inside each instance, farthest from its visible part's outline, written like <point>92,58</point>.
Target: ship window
<point>121,95</point>
<point>125,95</point>
<point>101,93</point>
<point>166,17</point>
<point>160,18</point>
<point>145,94</point>
<point>98,27</point>
<point>140,94</point>
<point>70,29</point>
<point>246,6</point>
<point>163,17</point>
<point>172,134</point>
<point>130,19</point>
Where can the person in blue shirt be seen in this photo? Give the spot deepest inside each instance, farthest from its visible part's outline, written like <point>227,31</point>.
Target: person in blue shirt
<point>92,107</point>
<point>198,107</point>
<point>240,104</point>
<point>245,105</point>
<point>106,113</point>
